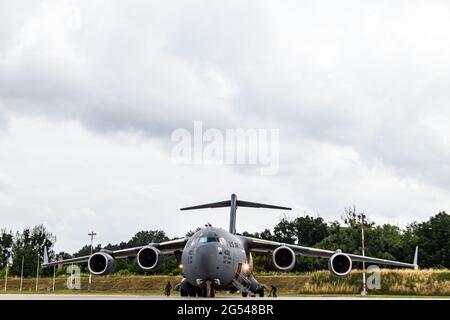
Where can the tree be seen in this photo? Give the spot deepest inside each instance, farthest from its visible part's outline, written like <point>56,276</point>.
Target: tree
<point>306,231</point>
<point>346,237</point>
<point>384,242</point>
<point>284,231</point>
<point>30,245</point>
<point>434,240</point>
<point>190,233</point>
<point>146,237</point>
<point>29,256</point>
<point>266,235</point>
<point>6,241</point>
<point>410,240</point>
<point>309,230</point>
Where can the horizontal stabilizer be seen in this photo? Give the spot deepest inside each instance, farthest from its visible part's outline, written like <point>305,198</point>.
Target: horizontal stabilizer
<point>248,204</point>
<point>220,204</point>
<point>234,204</point>
<point>239,203</point>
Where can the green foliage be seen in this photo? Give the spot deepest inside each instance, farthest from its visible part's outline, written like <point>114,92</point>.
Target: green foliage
<point>6,242</point>
<point>309,231</point>
<point>284,231</point>
<point>190,233</point>
<point>143,238</point>
<point>30,245</point>
<point>382,241</point>
<point>434,239</point>
<point>2,273</point>
<point>123,272</point>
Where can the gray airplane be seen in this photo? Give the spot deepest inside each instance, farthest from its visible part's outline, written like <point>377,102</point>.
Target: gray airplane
<point>216,259</point>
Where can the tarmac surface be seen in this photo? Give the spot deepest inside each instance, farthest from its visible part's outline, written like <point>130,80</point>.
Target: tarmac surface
<point>149,297</point>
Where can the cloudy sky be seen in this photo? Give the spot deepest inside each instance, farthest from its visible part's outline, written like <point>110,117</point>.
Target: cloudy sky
<point>90,92</point>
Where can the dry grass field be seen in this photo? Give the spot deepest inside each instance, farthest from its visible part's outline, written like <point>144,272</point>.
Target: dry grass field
<point>393,282</point>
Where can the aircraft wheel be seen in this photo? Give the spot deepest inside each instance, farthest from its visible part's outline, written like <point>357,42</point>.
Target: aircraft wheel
<point>204,291</point>
<point>261,292</point>
<point>187,290</point>
<point>183,293</point>
<point>212,293</point>
<point>244,294</point>
<point>192,291</point>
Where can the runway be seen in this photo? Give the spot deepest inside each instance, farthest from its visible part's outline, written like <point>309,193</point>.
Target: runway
<point>155,297</point>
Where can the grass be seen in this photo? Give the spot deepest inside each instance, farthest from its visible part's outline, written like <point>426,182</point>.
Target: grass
<point>398,283</point>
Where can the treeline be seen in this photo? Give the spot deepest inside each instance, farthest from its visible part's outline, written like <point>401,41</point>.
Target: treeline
<point>27,246</point>
<point>385,241</point>
<point>382,241</point>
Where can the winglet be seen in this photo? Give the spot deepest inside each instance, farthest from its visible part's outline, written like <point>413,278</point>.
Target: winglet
<point>416,257</point>
<point>45,255</point>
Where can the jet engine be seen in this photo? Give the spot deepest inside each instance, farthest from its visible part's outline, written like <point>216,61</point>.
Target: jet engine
<point>284,258</point>
<point>101,264</point>
<point>340,264</point>
<point>149,258</point>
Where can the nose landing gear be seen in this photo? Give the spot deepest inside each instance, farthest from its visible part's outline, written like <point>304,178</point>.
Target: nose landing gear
<point>208,288</point>
<point>207,291</point>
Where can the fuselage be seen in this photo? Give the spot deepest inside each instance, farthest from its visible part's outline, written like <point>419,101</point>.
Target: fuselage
<point>216,255</point>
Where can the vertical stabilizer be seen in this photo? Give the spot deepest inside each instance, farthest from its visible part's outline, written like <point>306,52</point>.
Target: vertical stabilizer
<point>233,208</point>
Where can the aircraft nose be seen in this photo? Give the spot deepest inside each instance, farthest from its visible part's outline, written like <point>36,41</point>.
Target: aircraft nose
<point>206,257</point>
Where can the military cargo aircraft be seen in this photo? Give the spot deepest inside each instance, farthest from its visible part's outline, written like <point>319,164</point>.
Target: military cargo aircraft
<point>216,259</point>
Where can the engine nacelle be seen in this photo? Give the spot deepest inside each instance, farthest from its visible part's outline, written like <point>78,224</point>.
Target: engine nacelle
<point>340,264</point>
<point>101,264</point>
<point>149,258</point>
<point>284,258</point>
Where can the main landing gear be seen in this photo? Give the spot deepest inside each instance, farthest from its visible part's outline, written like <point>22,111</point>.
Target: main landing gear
<point>259,292</point>
<point>187,289</point>
<point>205,290</point>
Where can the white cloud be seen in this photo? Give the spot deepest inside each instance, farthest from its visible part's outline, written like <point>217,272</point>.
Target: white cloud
<point>91,90</point>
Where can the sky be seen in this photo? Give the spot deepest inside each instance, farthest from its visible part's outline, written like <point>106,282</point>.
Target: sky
<point>91,92</point>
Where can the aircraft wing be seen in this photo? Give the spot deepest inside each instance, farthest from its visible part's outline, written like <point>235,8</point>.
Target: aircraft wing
<point>267,246</point>
<point>166,247</point>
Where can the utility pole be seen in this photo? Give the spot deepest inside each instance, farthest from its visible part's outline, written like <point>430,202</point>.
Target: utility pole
<point>91,234</point>
<point>21,275</point>
<point>364,291</point>
<point>54,275</point>
<point>6,276</point>
<point>37,273</point>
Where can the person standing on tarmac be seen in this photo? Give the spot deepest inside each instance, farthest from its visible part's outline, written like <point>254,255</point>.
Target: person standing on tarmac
<point>273,291</point>
<point>168,288</point>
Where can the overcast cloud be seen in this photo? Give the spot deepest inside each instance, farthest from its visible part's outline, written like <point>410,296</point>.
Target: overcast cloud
<point>90,92</point>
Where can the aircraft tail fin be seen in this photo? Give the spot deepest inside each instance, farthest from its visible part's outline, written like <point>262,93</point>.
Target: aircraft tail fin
<point>233,203</point>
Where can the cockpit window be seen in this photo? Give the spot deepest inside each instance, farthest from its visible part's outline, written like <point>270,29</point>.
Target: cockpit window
<point>208,239</point>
